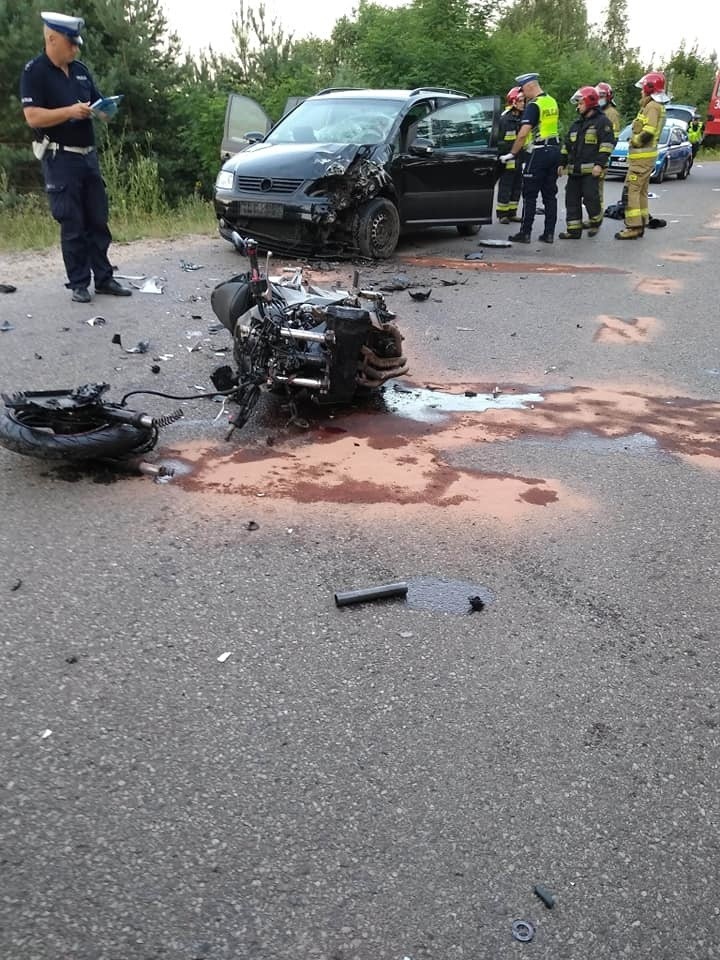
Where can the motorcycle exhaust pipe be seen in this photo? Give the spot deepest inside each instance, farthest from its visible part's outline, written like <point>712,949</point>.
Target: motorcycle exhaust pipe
<point>322,385</point>
<point>327,337</point>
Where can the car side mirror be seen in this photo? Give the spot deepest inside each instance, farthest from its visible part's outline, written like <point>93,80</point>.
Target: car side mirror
<point>254,136</point>
<point>421,147</point>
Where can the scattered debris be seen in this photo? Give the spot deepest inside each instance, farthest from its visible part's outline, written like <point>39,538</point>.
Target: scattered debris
<point>470,393</point>
<point>420,294</point>
<point>381,592</point>
<point>96,321</point>
<point>476,604</point>
<point>475,255</point>
<point>494,243</point>
<point>7,288</point>
<point>126,276</point>
<point>165,356</point>
<point>496,392</point>
<point>545,895</point>
<point>252,525</point>
<point>6,326</point>
<point>155,368</point>
<point>399,282</point>
<point>117,339</point>
<point>151,285</point>
<point>213,327</point>
<point>406,634</point>
<point>223,656</point>
<point>141,347</point>
<point>464,329</point>
<point>16,586</point>
<point>656,223</point>
<point>186,265</point>
<point>523,930</point>
<point>71,659</point>
<point>45,734</point>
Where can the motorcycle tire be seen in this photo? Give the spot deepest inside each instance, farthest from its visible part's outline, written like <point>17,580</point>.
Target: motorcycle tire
<point>106,440</point>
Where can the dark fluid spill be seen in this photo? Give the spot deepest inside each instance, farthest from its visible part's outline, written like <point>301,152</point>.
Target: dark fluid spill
<point>445,596</point>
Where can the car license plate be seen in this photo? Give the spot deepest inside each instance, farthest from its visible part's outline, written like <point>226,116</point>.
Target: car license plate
<point>255,208</point>
<point>619,161</point>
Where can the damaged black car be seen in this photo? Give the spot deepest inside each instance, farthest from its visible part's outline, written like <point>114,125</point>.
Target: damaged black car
<point>347,170</point>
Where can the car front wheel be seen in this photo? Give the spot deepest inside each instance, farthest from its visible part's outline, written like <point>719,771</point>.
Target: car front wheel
<point>377,229</point>
<point>468,229</point>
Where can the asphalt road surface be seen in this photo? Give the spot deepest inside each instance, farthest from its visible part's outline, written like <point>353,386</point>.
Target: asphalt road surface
<point>389,780</point>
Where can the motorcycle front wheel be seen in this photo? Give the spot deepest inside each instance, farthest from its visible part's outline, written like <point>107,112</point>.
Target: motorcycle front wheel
<point>103,440</point>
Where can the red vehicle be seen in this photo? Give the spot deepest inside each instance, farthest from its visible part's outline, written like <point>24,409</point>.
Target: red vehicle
<point>712,124</point>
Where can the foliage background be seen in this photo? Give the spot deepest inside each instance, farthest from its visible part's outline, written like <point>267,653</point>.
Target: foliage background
<point>171,121</point>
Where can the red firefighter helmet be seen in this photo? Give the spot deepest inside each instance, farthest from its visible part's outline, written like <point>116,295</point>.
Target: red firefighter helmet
<point>588,94</point>
<point>512,96</point>
<point>653,82</point>
<point>605,91</point>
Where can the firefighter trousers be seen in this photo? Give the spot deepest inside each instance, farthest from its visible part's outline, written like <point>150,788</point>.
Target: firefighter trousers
<point>579,190</point>
<point>637,180</point>
<point>508,191</point>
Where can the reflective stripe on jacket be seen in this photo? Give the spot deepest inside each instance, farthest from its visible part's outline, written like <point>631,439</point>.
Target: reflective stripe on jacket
<point>649,120</point>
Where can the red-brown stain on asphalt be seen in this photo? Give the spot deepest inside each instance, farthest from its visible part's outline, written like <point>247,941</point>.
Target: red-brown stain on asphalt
<point>508,266</point>
<point>658,285</point>
<point>681,256</point>
<point>380,462</point>
<point>627,331</point>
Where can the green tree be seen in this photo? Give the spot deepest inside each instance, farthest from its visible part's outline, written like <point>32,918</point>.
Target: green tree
<point>614,30</point>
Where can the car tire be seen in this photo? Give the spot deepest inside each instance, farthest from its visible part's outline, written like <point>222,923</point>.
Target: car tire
<point>377,229</point>
<point>468,229</point>
<point>683,174</point>
<point>660,176</point>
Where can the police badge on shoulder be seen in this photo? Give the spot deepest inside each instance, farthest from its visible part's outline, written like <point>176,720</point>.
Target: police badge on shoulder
<point>40,146</point>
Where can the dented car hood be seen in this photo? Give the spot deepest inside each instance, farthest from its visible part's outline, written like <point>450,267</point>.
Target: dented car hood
<point>303,161</point>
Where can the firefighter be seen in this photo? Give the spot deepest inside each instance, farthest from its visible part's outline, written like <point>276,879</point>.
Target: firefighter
<point>510,182</point>
<point>609,108</point>
<point>642,153</point>
<point>584,157</point>
<point>695,134</point>
<point>540,120</point>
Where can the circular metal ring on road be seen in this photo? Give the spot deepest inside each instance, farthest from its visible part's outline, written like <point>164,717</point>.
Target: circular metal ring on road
<point>523,930</point>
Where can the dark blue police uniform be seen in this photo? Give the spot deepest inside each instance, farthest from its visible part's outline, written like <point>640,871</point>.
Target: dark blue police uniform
<point>540,177</point>
<point>75,188</point>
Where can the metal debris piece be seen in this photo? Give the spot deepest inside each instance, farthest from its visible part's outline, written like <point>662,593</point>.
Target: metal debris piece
<point>151,285</point>
<point>475,255</point>
<point>464,329</point>
<point>381,592</point>
<point>126,276</point>
<point>187,265</point>
<point>545,895</point>
<point>476,604</point>
<point>523,930</point>
<point>165,356</point>
<point>420,294</point>
<point>7,288</point>
<point>141,347</point>
<point>6,326</point>
<point>223,656</point>
<point>494,243</point>
<point>252,525</point>
<point>16,586</point>
<point>46,733</point>
<point>96,321</point>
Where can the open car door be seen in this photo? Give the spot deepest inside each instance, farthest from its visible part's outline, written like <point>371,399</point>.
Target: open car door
<point>242,115</point>
<point>455,179</point>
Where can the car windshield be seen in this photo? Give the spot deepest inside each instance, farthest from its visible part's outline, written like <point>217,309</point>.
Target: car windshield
<point>348,120</point>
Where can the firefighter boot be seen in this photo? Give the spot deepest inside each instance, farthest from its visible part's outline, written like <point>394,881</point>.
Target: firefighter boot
<point>630,233</point>
<point>570,235</point>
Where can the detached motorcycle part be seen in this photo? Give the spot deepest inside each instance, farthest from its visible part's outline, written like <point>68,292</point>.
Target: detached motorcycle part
<point>371,593</point>
<point>76,425</point>
<point>523,930</point>
<point>350,326</point>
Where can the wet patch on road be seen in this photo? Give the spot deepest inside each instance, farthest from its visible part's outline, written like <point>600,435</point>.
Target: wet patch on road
<point>630,330</point>
<point>508,266</point>
<point>682,256</point>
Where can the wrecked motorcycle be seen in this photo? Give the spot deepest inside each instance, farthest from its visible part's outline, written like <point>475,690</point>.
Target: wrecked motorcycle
<point>308,343</point>
<point>302,341</point>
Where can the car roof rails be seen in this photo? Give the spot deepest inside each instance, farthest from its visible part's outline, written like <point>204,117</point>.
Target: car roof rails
<point>459,93</point>
<point>336,90</point>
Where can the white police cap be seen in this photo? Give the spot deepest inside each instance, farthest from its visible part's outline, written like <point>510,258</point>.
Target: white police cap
<point>526,78</point>
<point>70,26</point>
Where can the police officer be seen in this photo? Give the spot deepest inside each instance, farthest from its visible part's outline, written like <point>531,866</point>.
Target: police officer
<point>540,118</point>
<point>585,154</point>
<point>695,134</point>
<point>56,91</point>
<point>510,182</point>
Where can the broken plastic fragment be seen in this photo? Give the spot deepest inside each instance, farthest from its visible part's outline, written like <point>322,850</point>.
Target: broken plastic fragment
<point>494,243</point>
<point>117,339</point>
<point>186,265</point>
<point>96,321</point>
<point>478,255</point>
<point>141,347</point>
<point>6,326</point>
<point>45,734</point>
<point>151,285</point>
<point>252,525</point>
<point>7,288</point>
<point>223,656</point>
<point>420,294</point>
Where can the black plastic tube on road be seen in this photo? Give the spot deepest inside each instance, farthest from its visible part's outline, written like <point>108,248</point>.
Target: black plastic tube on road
<point>382,592</point>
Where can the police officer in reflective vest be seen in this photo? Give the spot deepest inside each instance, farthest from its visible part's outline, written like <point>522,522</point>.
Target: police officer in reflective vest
<point>695,134</point>
<point>56,92</point>
<point>510,182</point>
<point>585,154</point>
<point>642,153</point>
<point>540,118</point>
